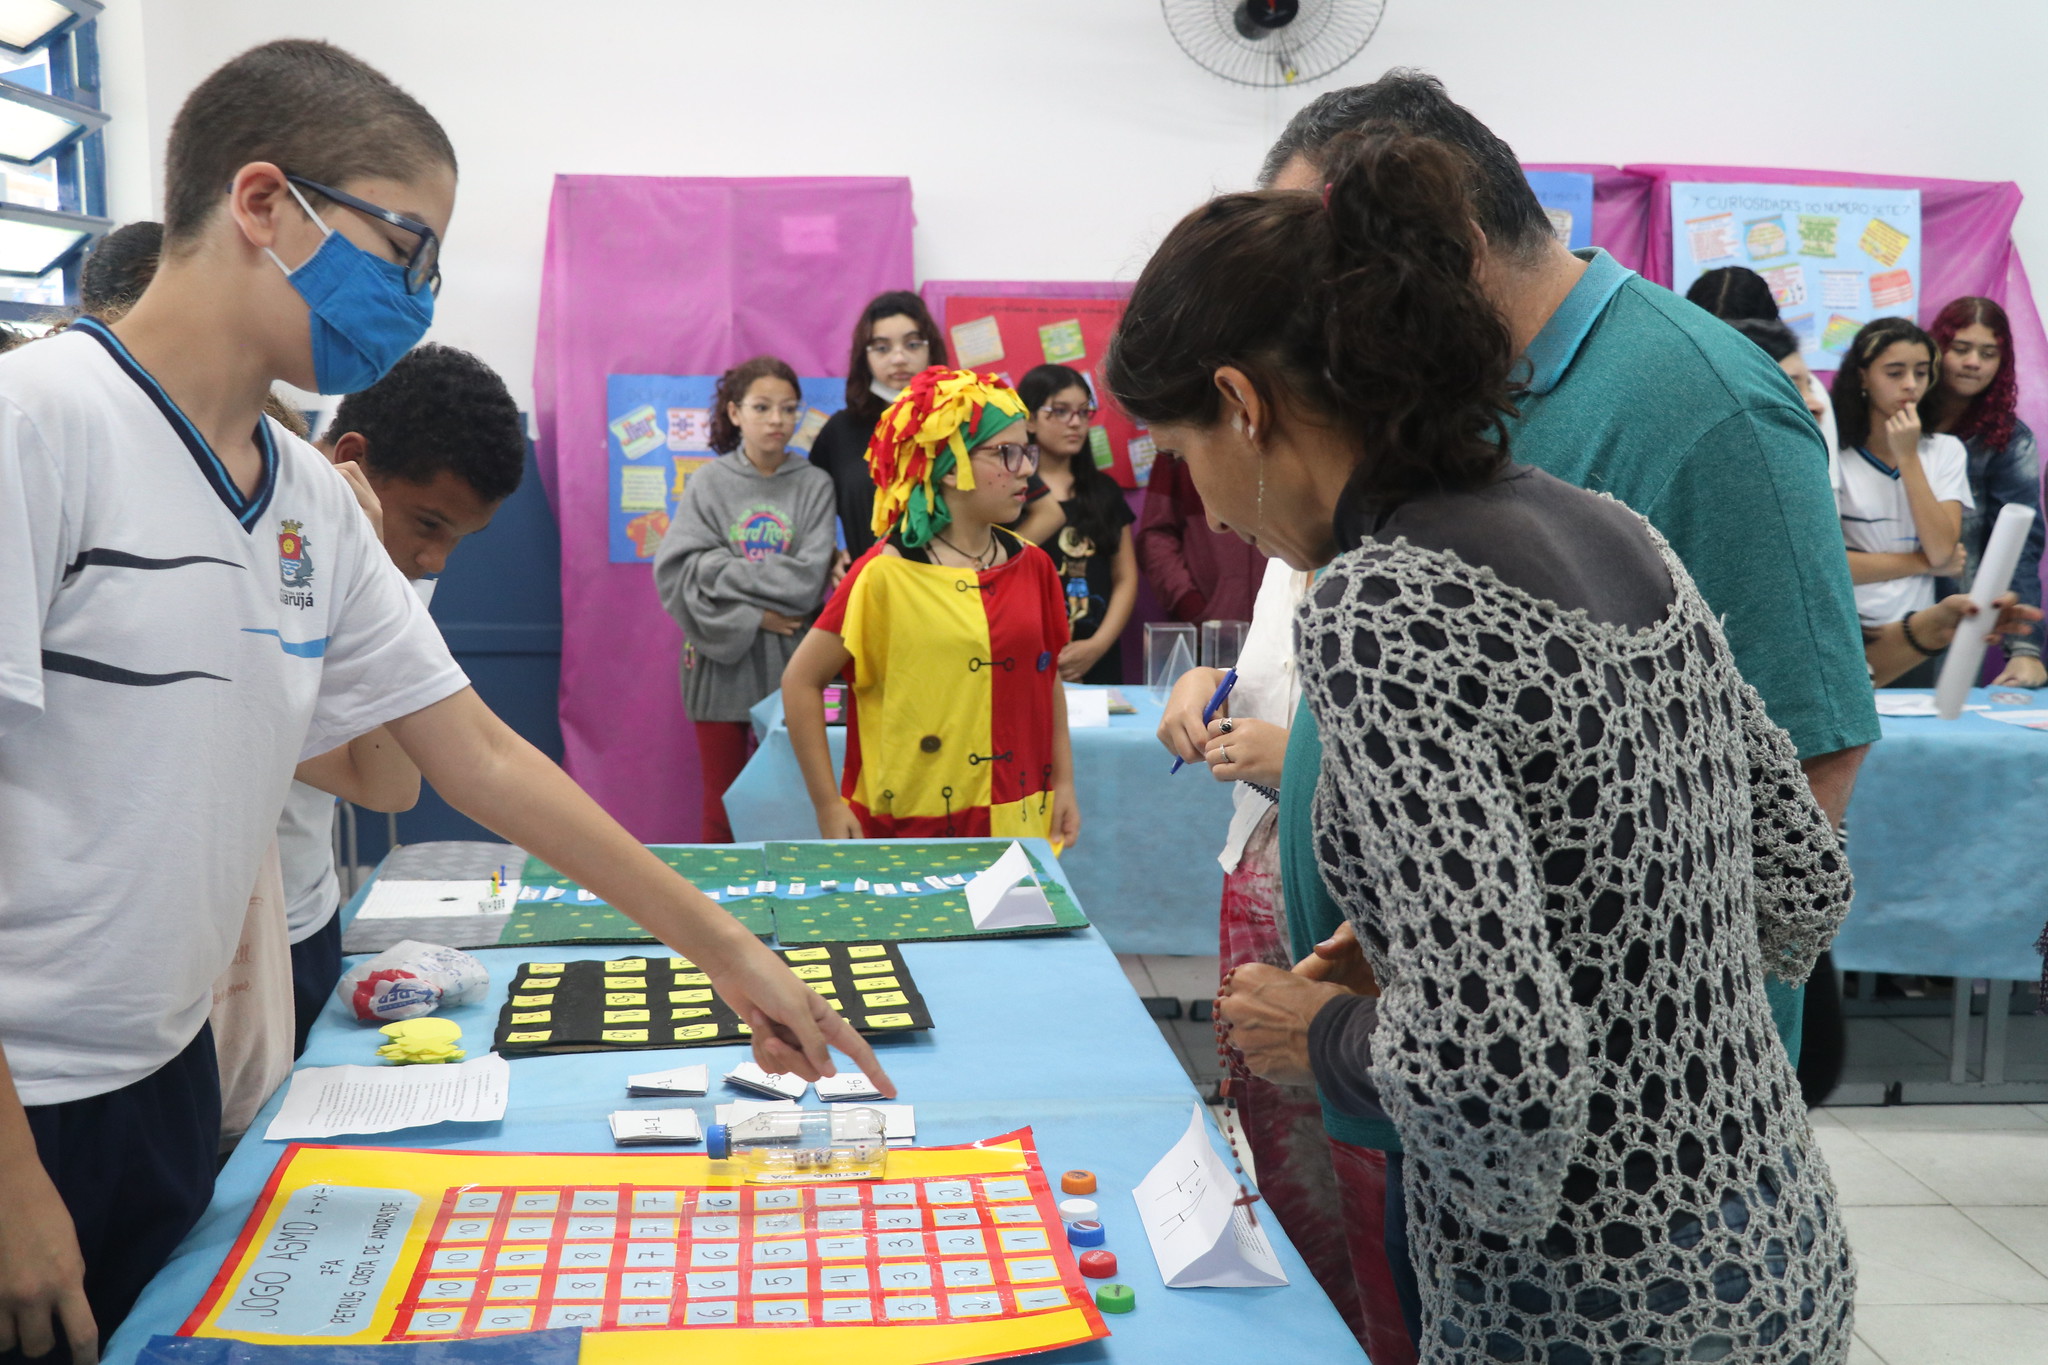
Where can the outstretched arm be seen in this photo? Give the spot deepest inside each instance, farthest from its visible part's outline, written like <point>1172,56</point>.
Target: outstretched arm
<point>490,774</point>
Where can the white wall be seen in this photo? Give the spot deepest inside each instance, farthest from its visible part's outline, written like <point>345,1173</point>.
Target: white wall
<point>1057,139</point>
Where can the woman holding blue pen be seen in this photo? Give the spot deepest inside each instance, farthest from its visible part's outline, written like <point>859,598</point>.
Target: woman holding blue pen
<point>1570,842</point>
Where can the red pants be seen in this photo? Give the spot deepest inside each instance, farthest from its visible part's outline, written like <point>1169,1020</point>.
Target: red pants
<point>1328,1195</point>
<point>722,750</point>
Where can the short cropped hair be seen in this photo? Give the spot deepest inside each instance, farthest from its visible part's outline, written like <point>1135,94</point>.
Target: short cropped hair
<point>1415,104</point>
<point>121,266</point>
<point>439,409</point>
<point>308,107</point>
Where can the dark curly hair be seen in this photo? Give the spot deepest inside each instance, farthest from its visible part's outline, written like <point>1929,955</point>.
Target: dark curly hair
<point>440,408</point>
<point>732,388</point>
<point>1990,415</point>
<point>1361,305</point>
<point>1852,404</point>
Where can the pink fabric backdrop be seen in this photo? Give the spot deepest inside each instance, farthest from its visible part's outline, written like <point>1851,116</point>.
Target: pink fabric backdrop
<point>1966,242</point>
<point>649,275</point>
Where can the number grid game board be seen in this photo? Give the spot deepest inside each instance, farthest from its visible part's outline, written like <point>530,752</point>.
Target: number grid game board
<point>659,1002</point>
<point>956,1255</point>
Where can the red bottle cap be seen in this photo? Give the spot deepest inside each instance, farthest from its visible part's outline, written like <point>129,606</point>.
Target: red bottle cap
<point>1098,1265</point>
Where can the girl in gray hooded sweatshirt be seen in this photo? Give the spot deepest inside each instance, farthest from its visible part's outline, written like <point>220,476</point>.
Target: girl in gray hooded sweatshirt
<point>742,567</point>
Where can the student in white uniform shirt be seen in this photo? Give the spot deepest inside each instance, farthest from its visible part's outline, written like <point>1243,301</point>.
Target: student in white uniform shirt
<point>442,445</point>
<point>191,603</point>
<point>1901,492</point>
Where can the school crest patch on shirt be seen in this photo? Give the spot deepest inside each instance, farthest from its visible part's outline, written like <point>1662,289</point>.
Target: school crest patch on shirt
<point>294,563</point>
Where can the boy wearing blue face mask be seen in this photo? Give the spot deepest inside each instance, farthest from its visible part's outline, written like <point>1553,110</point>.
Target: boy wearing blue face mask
<point>190,603</point>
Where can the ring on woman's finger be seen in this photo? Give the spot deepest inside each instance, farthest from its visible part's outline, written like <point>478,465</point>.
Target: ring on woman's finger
<point>1227,726</point>
<point>1223,752</point>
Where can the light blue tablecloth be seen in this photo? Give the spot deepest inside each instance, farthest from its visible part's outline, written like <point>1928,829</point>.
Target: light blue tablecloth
<point>1946,829</point>
<point>1037,1032</point>
<point>1145,867</point>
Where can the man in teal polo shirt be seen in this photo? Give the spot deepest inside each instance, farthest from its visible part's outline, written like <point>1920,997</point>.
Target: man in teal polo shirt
<point>1634,392</point>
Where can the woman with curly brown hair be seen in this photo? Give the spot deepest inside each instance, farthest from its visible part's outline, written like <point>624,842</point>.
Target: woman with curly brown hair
<point>1559,823</point>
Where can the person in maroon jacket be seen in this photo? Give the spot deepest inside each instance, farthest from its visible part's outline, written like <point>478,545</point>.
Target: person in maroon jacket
<point>1198,574</point>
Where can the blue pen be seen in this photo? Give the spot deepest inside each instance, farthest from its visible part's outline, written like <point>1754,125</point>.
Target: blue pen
<point>1209,711</point>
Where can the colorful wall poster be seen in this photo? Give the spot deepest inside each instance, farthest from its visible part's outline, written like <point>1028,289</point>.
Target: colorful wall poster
<point>659,433</point>
<point>1567,196</point>
<point>1010,336</point>
<point>1834,258</point>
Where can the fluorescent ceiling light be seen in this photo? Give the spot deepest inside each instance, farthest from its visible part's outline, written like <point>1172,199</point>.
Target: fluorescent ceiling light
<point>34,242</point>
<point>35,126</point>
<point>26,25</point>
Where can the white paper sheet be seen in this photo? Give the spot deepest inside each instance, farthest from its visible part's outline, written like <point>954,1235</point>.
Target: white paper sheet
<point>1891,703</point>
<point>1087,708</point>
<point>328,1101</point>
<point>430,900</point>
<point>1201,1236</point>
<point>2032,720</point>
<point>996,900</point>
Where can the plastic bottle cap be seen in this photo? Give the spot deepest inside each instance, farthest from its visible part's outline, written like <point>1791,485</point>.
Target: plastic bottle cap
<point>1075,1210</point>
<point>1098,1265</point>
<point>1116,1298</point>
<point>1086,1233</point>
<point>1078,1182</point>
<point>717,1145</point>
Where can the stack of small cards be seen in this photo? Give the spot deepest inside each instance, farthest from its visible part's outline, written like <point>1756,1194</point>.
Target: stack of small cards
<point>682,1080</point>
<point>847,1085</point>
<point>656,1127</point>
<point>775,1085</point>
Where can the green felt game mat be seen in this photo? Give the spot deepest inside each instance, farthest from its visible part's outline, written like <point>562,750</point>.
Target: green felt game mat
<point>707,865</point>
<point>879,860</point>
<point>847,917</point>
<point>537,922</point>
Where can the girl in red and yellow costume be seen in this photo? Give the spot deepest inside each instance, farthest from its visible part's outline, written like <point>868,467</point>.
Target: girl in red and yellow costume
<point>949,631</point>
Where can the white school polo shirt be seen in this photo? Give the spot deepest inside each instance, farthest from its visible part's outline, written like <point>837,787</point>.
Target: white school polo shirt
<point>1878,518</point>
<point>169,651</point>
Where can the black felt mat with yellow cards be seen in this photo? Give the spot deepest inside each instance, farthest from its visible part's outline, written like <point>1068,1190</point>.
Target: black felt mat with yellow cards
<point>634,1003</point>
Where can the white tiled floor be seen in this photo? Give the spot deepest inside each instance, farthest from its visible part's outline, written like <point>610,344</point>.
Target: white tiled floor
<point>1946,1205</point>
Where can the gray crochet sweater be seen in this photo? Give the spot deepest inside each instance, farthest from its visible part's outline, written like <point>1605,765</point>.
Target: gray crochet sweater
<point>1572,849</point>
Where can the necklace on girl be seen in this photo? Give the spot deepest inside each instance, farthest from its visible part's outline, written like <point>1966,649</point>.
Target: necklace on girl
<point>985,560</point>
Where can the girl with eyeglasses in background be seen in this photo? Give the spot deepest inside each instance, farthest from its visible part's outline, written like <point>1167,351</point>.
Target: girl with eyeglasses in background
<point>894,338</point>
<point>1097,564</point>
<point>949,632</point>
<point>742,568</point>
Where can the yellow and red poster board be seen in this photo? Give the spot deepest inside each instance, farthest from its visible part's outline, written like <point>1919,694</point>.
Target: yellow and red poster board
<point>956,1256</point>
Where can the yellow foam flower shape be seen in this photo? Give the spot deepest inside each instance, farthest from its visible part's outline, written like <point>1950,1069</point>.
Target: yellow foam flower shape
<point>417,1041</point>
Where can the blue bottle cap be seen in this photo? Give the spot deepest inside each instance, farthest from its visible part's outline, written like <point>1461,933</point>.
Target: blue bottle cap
<point>1086,1233</point>
<point>717,1145</point>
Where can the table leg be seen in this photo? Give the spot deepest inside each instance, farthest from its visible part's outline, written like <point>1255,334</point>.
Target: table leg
<point>1997,1013</point>
<point>1959,1032</point>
